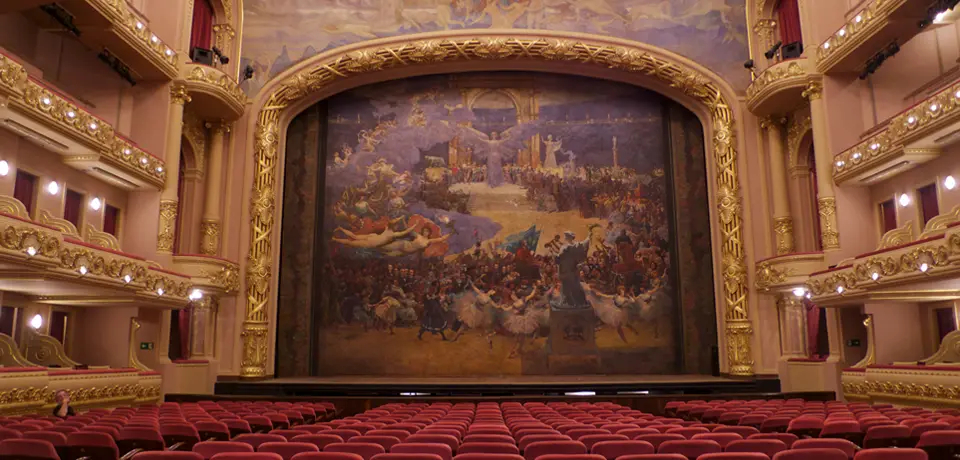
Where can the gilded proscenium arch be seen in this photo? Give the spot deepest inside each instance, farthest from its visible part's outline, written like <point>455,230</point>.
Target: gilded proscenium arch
<point>630,58</point>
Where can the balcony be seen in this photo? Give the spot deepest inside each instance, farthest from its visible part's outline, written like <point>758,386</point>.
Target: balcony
<point>870,30</point>
<point>780,87</point>
<point>112,25</point>
<point>913,137</point>
<point>53,267</point>
<point>904,268</point>
<point>217,276</point>
<point>214,94</point>
<point>52,121</point>
<point>787,272</point>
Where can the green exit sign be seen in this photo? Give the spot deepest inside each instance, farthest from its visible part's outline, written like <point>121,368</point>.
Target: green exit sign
<point>146,345</point>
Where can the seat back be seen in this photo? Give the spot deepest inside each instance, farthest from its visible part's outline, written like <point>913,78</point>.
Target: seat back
<point>208,449</point>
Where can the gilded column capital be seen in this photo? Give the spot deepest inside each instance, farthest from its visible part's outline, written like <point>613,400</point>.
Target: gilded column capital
<point>813,91</point>
<point>253,361</point>
<point>218,127</point>
<point>179,95</point>
<point>167,227</point>
<point>783,227</point>
<point>829,237</point>
<point>210,237</point>
<point>772,121</point>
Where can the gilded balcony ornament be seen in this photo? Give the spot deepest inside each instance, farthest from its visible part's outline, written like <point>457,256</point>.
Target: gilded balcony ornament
<point>829,237</point>
<point>219,79</point>
<point>14,207</point>
<point>223,35</point>
<point>179,94</point>
<point>783,228</point>
<point>132,26</point>
<point>855,32</point>
<point>210,237</point>
<point>769,274</point>
<point>772,75</point>
<point>226,279</point>
<point>28,239</point>
<point>800,124</point>
<point>582,50</point>
<point>765,29</point>
<point>940,223</point>
<point>65,226</point>
<point>167,227</point>
<point>813,91</point>
<point>897,236</point>
<point>132,360</point>
<point>102,239</point>
<point>46,105</point>
<point>12,76</point>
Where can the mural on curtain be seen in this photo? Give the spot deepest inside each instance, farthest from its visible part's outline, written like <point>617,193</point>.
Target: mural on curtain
<point>279,33</point>
<point>501,223</point>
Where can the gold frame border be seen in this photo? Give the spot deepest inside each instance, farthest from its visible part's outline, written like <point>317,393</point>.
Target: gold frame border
<point>291,90</point>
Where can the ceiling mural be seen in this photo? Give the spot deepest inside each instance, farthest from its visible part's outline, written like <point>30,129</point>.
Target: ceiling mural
<point>279,33</point>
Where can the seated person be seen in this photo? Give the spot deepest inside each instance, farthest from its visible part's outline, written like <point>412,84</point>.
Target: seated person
<point>63,409</point>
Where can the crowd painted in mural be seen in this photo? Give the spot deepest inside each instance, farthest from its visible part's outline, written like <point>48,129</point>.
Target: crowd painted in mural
<point>450,213</point>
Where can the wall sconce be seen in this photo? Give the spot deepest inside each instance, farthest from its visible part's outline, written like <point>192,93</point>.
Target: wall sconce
<point>53,187</point>
<point>95,204</point>
<point>4,168</point>
<point>904,200</point>
<point>950,183</point>
<point>36,322</point>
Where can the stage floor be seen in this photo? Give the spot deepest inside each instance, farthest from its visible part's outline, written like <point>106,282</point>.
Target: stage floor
<point>498,386</point>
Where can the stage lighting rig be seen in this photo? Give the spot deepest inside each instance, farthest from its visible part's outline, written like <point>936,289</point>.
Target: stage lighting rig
<point>772,52</point>
<point>878,59</point>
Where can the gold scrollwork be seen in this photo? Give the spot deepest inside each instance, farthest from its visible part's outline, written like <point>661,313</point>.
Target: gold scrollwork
<point>210,237</point>
<point>783,227</point>
<point>464,48</point>
<point>772,75</point>
<point>219,80</point>
<point>829,237</point>
<point>769,275</point>
<point>168,224</point>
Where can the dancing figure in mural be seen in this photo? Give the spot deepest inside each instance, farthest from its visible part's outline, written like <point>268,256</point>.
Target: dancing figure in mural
<point>613,309</point>
<point>496,146</point>
<point>553,146</point>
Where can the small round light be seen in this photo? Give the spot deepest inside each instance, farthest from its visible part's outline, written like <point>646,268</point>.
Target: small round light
<point>139,25</point>
<point>826,45</point>
<point>159,169</point>
<point>168,52</point>
<point>83,270</point>
<point>159,291</point>
<point>957,94</point>
<point>924,267</point>
<point>31,251</point>
<point>127,278</point>
<point>842,32</point>
<point>934,107</point>
<point>53,187</point>
<point>4,168</point>
<point>46,101</point>
<point>875,276</point>
<point>196,294</point>
<point>950,183</point>
<point>839,289</point>
<point>904,200</point>
<point>154,39</point>
<point>799,292</point>
<point>911,119</point>
<point>94,126</point>
<point>939,17</point>
<point>95,204</point>
<point>36,322</point>
<point>840,163</point>
<point>71,114</point>
<point>809,295</point>
<point>858,19</point>
<point>144,160</point>
<point>127,151</point>
<point>874,146</point>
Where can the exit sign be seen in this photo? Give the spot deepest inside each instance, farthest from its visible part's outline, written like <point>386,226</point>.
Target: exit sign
<point>146,345</point>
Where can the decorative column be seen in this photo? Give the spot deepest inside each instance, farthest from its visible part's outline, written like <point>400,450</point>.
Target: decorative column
<point>793,326</point>
<point>210,226</point>
<point>826,203</point>
<point>168,199</point>
<point>782,221</point>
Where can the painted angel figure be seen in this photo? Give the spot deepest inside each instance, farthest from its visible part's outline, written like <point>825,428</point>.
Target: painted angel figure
<point>496,146</point>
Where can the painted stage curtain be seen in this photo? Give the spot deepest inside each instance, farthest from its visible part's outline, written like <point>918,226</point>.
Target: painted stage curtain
<point>789,19</point>
<point>201,36</point>
<point>813,328</point>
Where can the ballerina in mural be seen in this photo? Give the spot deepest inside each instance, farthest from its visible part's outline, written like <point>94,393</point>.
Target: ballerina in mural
<point>612,309</point>
<point>523,320</point>
<point>496,146</point>
<point>476,310</point>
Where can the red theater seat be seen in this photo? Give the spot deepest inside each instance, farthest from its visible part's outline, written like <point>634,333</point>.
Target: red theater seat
<point>363,449</point>
<point>768,447</point>
<point>615,449</point>
<point>170,455</point>
<point>287,449</point>
<point>891,454</point>
<point>208,449</point>
<point>488,448</point>
<point>27,449</point>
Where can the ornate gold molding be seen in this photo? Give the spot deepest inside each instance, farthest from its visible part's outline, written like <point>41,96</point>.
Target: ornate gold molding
<point>871,356</point>
<point>65,226</point>
<point>44,350</point>
<point>855,32</point>
<point>168,226</point>
<point>135,28</point>
<point>210,237</point>
<point>102,239</point>
<point>829,237</point>
<point>195,133</point>
<point>49,108</point>
<point>223,35</point>
<point>783,228</point>
<point>10,355</point>
<point>133,345</point>
<point>800,124</point>
<point>382,55</point>
<point>766,30</point>
<point>774,74</point>
<point>897,236</point>
<point>813,91</point>
<point>12,206</point>
<point>179,94</point>
<point>214,82</point>
<point>924,119</point>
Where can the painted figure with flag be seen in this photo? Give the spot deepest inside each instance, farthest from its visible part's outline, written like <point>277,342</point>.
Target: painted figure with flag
<point>523,245</point>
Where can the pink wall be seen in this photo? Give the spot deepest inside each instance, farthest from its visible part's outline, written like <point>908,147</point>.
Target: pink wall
<point>91,346</point>
<point>898,330</point>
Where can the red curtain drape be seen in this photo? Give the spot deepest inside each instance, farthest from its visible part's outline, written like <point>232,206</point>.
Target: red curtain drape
<point>813,328</point>
<point>24,189</point>
<point>788,13</point>
<point>201,36</point>
<point>184,325</point>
